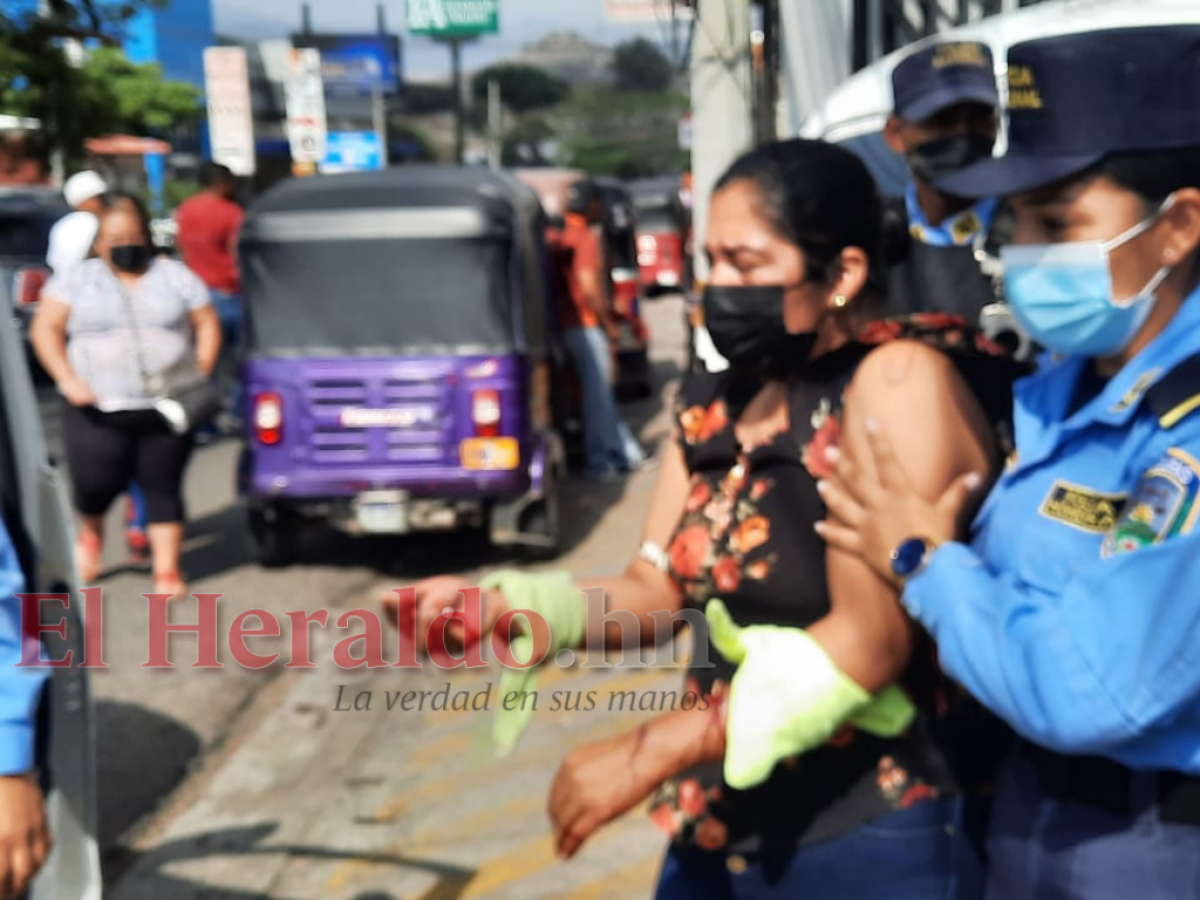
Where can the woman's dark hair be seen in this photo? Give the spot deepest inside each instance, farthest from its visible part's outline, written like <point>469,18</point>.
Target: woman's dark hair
<point>821,198</point>
<point>1154,175</point>
<point>116,201</point>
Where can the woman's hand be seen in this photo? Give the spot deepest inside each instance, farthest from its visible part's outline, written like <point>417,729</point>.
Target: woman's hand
<point>25,839</point>
<point>435,596</point>
<point>599,782</point>
<point>872,513</point>
<point>77,391</point>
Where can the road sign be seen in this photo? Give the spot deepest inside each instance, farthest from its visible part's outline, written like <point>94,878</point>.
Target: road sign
<point>352,151</point>
<point>453,18</point>
<point>230,121</point>
<point>305,95</point>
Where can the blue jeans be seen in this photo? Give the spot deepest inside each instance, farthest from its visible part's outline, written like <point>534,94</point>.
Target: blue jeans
<point>1045,848</point>
<point>608,444</point>
<point>921,853</point>
<point>229,311</point>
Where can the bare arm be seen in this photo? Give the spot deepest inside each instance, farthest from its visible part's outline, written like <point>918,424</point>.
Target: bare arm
<point>207,328</point>
<point>48,334</point>
<point>940,434</point>
<point>642,589</point>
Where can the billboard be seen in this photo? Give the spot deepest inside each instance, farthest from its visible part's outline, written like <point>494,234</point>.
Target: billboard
<point>230,123</point>
<point>356,64</point>
<point>352,151</point>
<point>648,10</point>
<point>453,18</point>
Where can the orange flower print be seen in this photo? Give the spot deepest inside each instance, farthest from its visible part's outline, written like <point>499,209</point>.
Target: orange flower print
<point>720,513</point>
<point>915,794</point>
<point>759,489</point>
<point>892,779</point>
<point>691,420</point>
<point>732,484</point>
<point>751,534</point>
<point>715,420</point>
<point>711,834</point>
<point>758,570</point>
<point>689,551</point>
<point>726,575</point>
<point>880,332</point>
<point>700,495</point>
<point>668,821</point>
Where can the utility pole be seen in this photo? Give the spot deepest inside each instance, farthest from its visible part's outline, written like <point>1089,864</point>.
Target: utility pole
<point>378,100</point>
<point>722,102</point>
<point>495,111</point>
<point>460,124</point>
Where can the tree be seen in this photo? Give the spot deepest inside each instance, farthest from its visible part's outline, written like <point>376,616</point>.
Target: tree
<point>142,101</point>
<point>612,132</point>
<point>639,65</point>
<point>523,88</point>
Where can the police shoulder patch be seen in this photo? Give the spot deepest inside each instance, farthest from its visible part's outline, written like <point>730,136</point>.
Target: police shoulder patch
<point>1164,505</point>
<point>1081,507</point>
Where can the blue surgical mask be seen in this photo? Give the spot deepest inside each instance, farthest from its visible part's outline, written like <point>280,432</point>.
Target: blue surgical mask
<point>1062,294</point>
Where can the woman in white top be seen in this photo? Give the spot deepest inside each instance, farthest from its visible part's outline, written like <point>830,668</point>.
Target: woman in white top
<point>102,330</point>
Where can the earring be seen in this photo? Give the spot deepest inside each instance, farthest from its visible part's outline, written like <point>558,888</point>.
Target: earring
<point>1168,254</point>
<point>840,301</point>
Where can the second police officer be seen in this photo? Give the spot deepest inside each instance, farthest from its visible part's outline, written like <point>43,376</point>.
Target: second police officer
<point>1074,612</point>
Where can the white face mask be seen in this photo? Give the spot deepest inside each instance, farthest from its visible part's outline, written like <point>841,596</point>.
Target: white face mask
<point>1062,294</point>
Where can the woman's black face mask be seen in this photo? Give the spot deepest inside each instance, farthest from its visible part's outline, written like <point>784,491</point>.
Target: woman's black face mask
<point>130,257</point>
<point>747,328</point>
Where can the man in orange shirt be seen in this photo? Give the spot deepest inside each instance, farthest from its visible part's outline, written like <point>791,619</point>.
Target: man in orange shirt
<point>610,449</point>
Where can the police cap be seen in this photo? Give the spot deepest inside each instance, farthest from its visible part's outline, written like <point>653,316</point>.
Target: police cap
<point>1075,99</point>
<point>944,75</point>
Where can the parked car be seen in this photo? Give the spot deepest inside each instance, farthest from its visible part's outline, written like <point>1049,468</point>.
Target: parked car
<point>26,216</point>
<point>662,227</point>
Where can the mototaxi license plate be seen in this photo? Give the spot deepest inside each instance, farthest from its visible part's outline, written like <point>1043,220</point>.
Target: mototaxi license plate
<point>490,454</point>
<point>382,512</point>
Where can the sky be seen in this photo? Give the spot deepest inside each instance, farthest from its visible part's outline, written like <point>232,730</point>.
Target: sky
<point>521,22</point>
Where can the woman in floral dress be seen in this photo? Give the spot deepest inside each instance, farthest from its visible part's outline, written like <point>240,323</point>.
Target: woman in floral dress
<point>792,239</point>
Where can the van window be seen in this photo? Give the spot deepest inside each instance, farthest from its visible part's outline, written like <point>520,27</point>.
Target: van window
<point>889,169</point>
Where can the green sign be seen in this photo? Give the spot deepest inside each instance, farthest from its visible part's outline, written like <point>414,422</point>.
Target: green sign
<point>453,18</point>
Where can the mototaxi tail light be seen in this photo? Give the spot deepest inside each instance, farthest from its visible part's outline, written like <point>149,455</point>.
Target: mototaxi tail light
<point>485,412</point>
<point>268,418</point>
<point>28,284</point>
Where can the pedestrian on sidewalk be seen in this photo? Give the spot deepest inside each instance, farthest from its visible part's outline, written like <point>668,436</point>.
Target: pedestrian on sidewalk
<point>591,335</point>
<point>103,331</point>
<point>208,228</point>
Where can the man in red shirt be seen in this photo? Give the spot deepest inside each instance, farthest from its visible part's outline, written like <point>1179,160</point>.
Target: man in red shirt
<point>610,449</point>
<point>207,233</point>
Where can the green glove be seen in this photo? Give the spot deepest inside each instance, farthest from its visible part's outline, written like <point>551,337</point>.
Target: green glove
<point>556,598</point>
<point>788,697</point>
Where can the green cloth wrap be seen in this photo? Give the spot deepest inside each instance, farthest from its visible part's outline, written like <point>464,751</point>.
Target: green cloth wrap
<point>556,598</point>
<point>788,697</point>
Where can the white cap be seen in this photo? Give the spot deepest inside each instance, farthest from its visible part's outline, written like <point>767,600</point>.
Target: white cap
<point>83,186</point>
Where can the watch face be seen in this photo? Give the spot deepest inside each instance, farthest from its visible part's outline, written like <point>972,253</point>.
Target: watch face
<point>908,557</point>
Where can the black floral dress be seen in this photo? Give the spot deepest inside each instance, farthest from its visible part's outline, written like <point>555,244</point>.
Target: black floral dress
<point>747,538</point>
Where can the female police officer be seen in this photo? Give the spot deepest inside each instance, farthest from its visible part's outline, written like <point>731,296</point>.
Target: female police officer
<point>1073,612</point>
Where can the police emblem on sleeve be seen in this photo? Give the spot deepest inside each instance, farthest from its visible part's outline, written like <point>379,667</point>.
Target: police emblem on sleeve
<point>1164,505</point>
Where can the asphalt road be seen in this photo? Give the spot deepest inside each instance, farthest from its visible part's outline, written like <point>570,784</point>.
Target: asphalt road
<point>233,784</point>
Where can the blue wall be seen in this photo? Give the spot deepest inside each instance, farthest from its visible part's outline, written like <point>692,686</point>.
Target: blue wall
<point>174,37</point>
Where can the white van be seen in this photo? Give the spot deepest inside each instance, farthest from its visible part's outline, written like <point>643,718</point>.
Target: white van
<point>33,502</point>
<point>855,113</point>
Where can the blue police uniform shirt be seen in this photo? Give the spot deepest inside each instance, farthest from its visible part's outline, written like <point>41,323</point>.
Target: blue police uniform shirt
<point>20,689</point>
<point>1075,612</point>
<point>956,231</point>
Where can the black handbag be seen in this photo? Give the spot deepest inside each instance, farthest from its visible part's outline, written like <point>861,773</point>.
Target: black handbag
<point>184,396</point>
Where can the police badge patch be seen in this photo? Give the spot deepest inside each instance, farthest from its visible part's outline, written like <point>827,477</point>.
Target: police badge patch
<point>1163,505</point>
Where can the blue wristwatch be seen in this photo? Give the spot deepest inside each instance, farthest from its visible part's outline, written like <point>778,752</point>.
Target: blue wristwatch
<point>911,558</point>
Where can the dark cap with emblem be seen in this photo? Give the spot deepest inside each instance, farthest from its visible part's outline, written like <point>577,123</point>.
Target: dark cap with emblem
<point>943,75</point>
<point>1076,99</point>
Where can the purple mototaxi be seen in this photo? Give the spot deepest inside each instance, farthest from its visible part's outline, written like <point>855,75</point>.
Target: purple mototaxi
<point>399,360</point>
